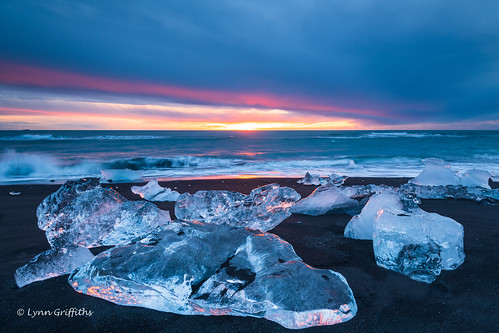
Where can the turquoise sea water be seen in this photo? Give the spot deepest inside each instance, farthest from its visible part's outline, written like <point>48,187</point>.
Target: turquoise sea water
<point>40,156</point>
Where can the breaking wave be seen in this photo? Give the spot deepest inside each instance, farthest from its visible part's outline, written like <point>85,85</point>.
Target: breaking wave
<point>383,135</point>
<point>52,137</point>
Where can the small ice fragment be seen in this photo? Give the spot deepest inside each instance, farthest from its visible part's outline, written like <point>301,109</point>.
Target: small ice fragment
<point>325,199</point>
<point>311,179</point>
<point>52,263</point>
<point>119,175</point>
<point>337,179</point>
<point>14,193</point>
<point>152,191</point>
<point>352,165</point>
<point>361,225</point>
<point>436,172</point>
<point>417,243</point>
<point>475,193</point>
<point>476,177</point>
<point>263,209</point>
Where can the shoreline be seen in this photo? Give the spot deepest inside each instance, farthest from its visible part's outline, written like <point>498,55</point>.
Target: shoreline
<point>460,300</point>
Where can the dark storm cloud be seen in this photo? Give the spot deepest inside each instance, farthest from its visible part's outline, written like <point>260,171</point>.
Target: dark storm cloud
<point>440,54</point>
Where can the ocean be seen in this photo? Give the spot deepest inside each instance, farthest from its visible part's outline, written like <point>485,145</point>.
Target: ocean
<point>44,156</point>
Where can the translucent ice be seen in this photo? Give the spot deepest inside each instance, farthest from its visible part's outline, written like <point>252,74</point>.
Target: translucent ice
<point>476,177</point>
<point>475,193</point>
<point>361,225</point>
<point>52,263</point>
<point>82,213</point>
<point>310,179</point>
<point>263,209</point>
<point>352,165</point>
<point>119,175</point>
<point>203,269</point>
<point>436,172</point>
<point>363,191</point>
<point>325,199</point>
<point>417,244</point>
<point>152,191</point>
<point>336,179</point>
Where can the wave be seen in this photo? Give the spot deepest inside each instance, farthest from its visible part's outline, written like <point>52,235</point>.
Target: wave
<point>26,166</point>
<point>21,167</point>
<point>384,135</point>
<point>152,163</point>
<point>52,137</point>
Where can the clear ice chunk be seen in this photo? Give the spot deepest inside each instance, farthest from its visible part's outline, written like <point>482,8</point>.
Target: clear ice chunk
<point>311,179</point>
<point>82,213</point>
<point>119,175</point>
<point>417,243</point>
<point>263,209</point>
<point>361,225</point>
<point>333,178</point>
<point>337,179</point>
<point>152,191</point>
<point>203,269</point>
<point>476,177</point>
<point>436,172</point>
<point>326,199</point>
<point>52,263</point>
<point>475,193</point>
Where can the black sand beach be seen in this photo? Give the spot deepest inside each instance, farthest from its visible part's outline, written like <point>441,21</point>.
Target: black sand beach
<point>463,300</point>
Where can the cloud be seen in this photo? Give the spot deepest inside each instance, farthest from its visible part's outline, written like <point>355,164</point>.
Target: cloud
<point>402,62</point>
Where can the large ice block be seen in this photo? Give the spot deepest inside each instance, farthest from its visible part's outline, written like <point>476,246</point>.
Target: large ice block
<point>203,269</point>
<point>326,199</point>
<point>82,213</point>
<point>361,225</point>
<point>417,243</point>
<point>263,209</point>
<point>52,263</point>
<point>152,191</point>
<point>436,172</point>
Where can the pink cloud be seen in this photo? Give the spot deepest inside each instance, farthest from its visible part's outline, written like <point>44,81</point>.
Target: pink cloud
<point>17,74</point>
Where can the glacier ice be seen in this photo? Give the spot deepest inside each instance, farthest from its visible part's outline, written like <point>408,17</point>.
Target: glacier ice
<point>361,225</point>
<point>263,209</point>
<point>436,172</point>
<point>202,269</point>
<point>152,191</point>
<point>360,192</point>
<point>475,193</point>
<point>52,263</point>
<point>325,199</point>
<point>333,178</point>
<point>417,243</point>
<point>311,179</point>
<point>476,177</point>
<point>119,175</point>
<point>337,179</point>
<point>353,165</point>
<point>82,213</point>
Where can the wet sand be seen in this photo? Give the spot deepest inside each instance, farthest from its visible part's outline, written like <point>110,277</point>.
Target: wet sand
<point>463,300</point>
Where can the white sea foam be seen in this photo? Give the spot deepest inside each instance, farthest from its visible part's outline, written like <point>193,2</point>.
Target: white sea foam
<point>383,135</point>
<point>52,137</point>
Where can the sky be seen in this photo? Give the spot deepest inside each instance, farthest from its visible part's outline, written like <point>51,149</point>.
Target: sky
<point>249,64</point>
